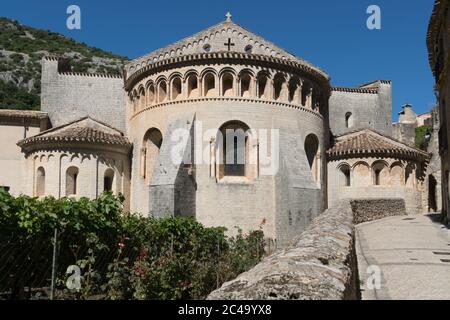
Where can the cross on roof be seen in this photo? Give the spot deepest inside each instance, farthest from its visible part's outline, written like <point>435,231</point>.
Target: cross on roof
<point>228,16</point>
<point>229,44</point>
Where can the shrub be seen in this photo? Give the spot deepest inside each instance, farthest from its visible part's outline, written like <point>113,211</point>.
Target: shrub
<point>420,136</point>
<point>121,256</point>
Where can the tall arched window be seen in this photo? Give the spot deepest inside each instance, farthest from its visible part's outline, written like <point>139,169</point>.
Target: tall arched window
<point>312,151</point>
<point>344,175</point>
<point>108,180</point>
<point>176,88</point>
<point>209,85</point>
<point>150,150</point>
<point>71,181</point>
<point>192,83</point>
<point>246,85</point>
<point>162,91</point>
<point>40,182</point>
<point>294,91</point>
<point>278,85</point>
<point>227,84</point>
<point>233,143</point>
<point>263,86</point>
<point>348,120</point>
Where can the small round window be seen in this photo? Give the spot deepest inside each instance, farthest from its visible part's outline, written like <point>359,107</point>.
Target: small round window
<point>248,48</point>
<point>207,47</point>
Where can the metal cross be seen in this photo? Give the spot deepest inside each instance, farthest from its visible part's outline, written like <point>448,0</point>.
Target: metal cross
<point>229,44</point>
<point>228,16</point>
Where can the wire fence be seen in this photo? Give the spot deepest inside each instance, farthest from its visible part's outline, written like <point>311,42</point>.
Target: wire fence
<point>36,268</point>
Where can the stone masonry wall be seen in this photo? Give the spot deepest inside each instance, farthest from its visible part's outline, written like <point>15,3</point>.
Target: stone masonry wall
<point>365,210</point>
<point>320,264</point>
<point>69,96</point>
<point>369,110</point>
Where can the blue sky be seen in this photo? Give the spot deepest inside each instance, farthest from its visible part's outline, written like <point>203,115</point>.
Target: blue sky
<point>330,34</point>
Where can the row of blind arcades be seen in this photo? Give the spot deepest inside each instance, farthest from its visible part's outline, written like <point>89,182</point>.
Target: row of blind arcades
<point>226,83</point>
<point>379,173</point>
<point>72,187</point>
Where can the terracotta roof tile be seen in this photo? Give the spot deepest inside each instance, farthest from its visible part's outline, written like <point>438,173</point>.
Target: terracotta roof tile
<point>83,130</point>
<point>30,114</point>
<point>368,141</point>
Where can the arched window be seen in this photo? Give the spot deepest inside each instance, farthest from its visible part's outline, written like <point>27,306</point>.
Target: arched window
<point>192,83</point>
<point>279,84</point>
<point>263,87</point>
<point>344,175</point>
<point>150,150</point>
<point>348,120</point>
<point>209,85</point>
<point>246,85</point>
<point>233,144</point>
<point>108,180</point>
<point>227,85</point>
<point>380,173</point>
<point>162,91</point>
<point>150,94</point>
<point>176,88</point>
<point>306,95</point>
<point>312,151</point>
<point>294,91</point>
<point>71,181</point>
<point>40,182</point>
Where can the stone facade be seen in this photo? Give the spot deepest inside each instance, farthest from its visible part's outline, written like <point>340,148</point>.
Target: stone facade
<point>438,42</point>
<point>67,96</point>
<point>15,126</point>
<point>367,164</point>
<point>367,106</point>
<point>405,129</point>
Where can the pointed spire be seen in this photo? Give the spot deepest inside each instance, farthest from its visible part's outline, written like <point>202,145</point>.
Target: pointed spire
<point>228,16</point>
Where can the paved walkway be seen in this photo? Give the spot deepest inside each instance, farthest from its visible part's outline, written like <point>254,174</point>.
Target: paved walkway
<point>413,256</point>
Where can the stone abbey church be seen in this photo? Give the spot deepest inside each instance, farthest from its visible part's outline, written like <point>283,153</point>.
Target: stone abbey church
<point>99,133</point>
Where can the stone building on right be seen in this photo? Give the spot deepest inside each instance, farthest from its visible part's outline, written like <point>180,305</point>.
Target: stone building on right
<point>369,164</point>
<point>438,43</point>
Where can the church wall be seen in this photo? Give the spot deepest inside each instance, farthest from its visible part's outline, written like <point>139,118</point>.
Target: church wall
<point>394,183</point>
<point>369,110</point>
<point>70,96</point>
<point>12,162</point>
<point>91,167</point>
<point>248,202</point>
<point>243,204</point>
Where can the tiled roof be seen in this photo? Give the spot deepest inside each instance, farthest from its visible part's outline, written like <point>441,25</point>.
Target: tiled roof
<point>30,114</point>
<point>366,141</point>
<point>83,130</point>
